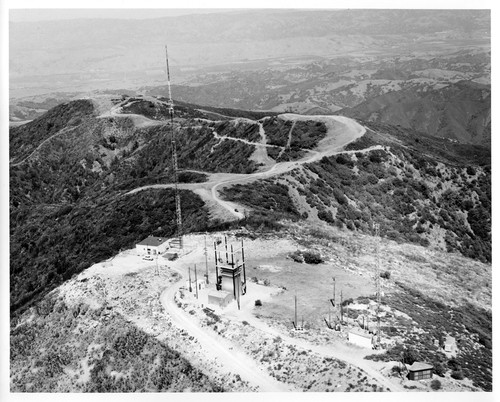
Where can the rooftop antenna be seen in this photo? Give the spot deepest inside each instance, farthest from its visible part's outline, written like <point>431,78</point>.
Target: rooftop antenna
<point>178,213</point>
<point>376,226</point>
<point>206,261</point>
<point>218,279</point>
<point>227,257</point>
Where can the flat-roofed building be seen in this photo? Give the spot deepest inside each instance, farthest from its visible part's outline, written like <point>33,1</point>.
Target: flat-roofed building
<point>219,298</point>
<point>360,337</point>
<point>152,245</point>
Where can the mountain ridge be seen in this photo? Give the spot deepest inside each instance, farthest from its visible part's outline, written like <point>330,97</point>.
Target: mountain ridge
<point>91,168</point>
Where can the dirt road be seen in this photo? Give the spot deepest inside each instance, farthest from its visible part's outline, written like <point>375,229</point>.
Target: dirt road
<point>59,133</point>
<point>341,131</point>
<point>337,351</point>
<point>232,359</point>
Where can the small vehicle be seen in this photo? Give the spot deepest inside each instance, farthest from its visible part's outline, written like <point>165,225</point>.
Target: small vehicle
<point>147,258</point>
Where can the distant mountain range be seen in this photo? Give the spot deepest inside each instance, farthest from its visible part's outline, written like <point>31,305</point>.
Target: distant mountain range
<point>89,54</point>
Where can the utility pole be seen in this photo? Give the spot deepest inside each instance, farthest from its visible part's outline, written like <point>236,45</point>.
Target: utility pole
<point>376,226</point>
<point>333,291</point>
<point>190,288</point>
<point>341,309</point>
<point>178,212</point>
<point>295,323</point>
<point>244,288</point>
<point>196,280</point>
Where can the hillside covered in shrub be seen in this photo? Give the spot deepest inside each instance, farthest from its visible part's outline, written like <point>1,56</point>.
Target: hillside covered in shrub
<point>420,189</point>
<point>68,202</point>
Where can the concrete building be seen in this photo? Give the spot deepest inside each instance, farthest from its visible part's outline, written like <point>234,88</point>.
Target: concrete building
<point>220,298</point>
<point>360,338</point>
<point>419,371</point>
<point>152,245</point>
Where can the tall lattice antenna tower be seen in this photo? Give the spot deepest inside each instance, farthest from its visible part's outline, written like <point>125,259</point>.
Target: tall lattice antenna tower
<point>178,212</point>
<point>376,226</point>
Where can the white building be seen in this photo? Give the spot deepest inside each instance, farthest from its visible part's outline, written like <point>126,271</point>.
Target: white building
<point>360,338</point>
<point>220,298</point>
<point>152,245</point>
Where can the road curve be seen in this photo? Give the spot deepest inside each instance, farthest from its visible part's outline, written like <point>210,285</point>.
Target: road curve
<point>341,131</point>
<point>235,361</point>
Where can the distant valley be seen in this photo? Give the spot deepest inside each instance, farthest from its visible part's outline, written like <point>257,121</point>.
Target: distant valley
<point>446,96</point>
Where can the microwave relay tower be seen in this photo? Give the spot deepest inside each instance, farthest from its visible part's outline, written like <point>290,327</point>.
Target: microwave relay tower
<point>178,213</point>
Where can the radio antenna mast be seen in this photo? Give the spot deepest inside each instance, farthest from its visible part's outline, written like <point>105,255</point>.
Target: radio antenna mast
<point>178,212</point>
<point>376,226</point>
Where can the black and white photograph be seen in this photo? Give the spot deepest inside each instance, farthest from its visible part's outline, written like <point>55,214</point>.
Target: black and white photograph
<point>247,199</point>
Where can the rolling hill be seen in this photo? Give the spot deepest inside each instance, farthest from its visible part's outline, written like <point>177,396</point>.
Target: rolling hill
<point>459,111</point>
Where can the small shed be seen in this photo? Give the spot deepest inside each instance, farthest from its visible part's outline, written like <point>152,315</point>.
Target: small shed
<point>419,371</point>
<point>360,338</point>
<point>152,245</point>
<point>220,298</point>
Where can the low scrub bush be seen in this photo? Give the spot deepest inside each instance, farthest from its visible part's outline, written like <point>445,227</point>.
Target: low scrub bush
<point>385,275</point>
<point>312,257</point>
<point>436,385</point>
<point>440,369</point>
<point>457,374</point>
<point>297,256</point>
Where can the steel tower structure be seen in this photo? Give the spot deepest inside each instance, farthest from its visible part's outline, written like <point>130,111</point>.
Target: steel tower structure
<point>376,226</point>
<point>178,212</point>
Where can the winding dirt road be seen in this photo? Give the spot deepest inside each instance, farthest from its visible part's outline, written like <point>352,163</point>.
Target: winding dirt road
<point>59,133</point>
<point>341,132</point>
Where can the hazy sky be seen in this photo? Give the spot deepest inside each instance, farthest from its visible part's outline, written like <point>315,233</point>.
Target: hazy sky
<point>121,13</point>
<point>34,10</point>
